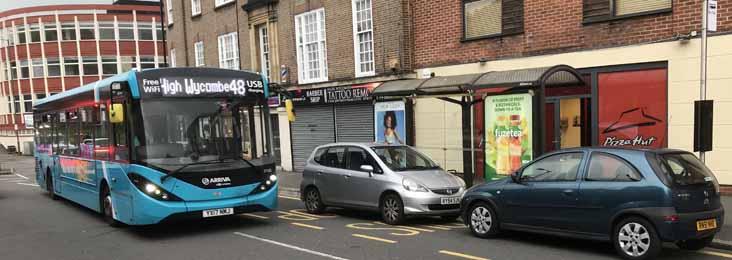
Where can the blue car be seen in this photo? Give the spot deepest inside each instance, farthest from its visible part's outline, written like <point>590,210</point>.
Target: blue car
<point>636,199</point>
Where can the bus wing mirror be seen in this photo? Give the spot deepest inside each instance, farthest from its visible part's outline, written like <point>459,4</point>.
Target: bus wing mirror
<point>116,113</point>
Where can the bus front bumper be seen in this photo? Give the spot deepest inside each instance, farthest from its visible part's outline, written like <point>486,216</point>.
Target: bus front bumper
<point>149,211</point>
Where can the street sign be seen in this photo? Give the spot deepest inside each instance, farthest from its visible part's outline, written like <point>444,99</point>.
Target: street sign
<point>712,15</point>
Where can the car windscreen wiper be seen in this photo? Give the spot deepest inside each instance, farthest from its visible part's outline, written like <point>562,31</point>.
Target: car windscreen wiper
<point>176,171</point>
<point>240,158</point>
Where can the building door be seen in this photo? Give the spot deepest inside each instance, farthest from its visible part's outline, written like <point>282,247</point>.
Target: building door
<point>567,123</point>
<point>315,125</point>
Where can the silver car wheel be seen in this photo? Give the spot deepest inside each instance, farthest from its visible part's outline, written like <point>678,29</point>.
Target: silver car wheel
<point>481,220</point>
<point>391,209</point>
<point>312,200</point>
<point>634,239</point>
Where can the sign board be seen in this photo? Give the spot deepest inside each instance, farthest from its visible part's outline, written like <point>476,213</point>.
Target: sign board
<point>201,83</point>
<point>347,94</point>
<point>274,101</point>
<point>509,133</point>
<point>712,8</point>
<point>390,122</point>
<point>28,118</point>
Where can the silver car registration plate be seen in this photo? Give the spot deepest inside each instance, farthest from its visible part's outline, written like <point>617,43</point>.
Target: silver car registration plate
<point>450,200</point>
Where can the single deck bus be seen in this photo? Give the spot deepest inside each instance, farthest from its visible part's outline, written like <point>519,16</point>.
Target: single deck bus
<point>158,145</point>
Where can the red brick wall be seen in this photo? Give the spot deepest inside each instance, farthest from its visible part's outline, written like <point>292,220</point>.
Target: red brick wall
<point>550,26</point>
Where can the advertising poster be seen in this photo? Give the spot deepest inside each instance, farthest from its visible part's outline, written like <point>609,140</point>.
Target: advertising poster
<point>637,120</point>
<point>509,136</point>
<point>390,124</point>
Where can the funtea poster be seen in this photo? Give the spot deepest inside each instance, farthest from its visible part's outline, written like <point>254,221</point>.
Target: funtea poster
<point>508,124</point>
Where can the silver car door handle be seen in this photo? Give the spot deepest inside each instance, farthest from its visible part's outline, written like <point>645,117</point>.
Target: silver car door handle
<point>346,176</point>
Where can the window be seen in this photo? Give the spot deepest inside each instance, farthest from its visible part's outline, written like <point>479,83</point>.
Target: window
<point>72,134</point>
<point>334,157</point>
<point>90,66</point>
<point>20,31</point>
<point>560,167</point>
<point>16,100</point>
<point>9,35</point>
<point>24,69</point>
<point>606,167</point>
<point>119,134</point>
<point>223,2</point>
<point>127,64</point>
<point>126,31</point>
<point>145,31</point>
<point>198,49</point>
<point>68,31</point>
<point>101,134</point>
<point>35,32</point>
<point>195,7</point>
<point>109,65</point>
<point>172,58</point>
<point>27,103</point>
<point>146,62</point>
<point>169,5</point>
<point>485,18</point>
<point>54,67</point>
<point>264,54</point>
<point>363,38</point>
<point>50,31</point>
<point>228,51</point>
<point>357,157</point>
<point>311,48</point>
<point>37,68</point>
<point>71,66</point>
<point>86,31</point>
<point>106,31</point>
<point>684,169</point>
<point>86,132</point>
<point>603,10</point>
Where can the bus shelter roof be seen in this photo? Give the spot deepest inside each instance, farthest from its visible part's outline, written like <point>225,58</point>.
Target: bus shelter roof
<point>559,75</point>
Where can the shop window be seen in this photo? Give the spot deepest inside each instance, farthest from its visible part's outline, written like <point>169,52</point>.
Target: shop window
<point>71,66</point>
<point>109,65</point>
<point>555,168</point>
<point>90,66</point>
<point>126,31</point>
<point>198,49</point>
<point>602,10</point>
<point>106,31</point>
<point>311,47</point>
<point>68,31</point>
<point>54,67</point>
<point>228,51</point>
<point>86,31</point>
<point>363,37</point>
<point>50,32</point>
<point>606,167</point>
<point>486,18</point>
<point>37,68</point>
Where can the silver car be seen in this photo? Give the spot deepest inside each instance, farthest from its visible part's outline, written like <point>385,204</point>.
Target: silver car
<point>396,180</point>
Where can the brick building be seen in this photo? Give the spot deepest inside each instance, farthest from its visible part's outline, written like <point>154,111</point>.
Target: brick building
<point>640,61</point>
<point>330,48</point>
<point>45,50</point>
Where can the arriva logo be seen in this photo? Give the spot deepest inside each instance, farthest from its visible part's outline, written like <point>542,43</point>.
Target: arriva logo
<point>207,181</point>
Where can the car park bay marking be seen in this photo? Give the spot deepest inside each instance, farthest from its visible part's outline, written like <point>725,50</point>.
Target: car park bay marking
<point>461,255</point>
<point>307,226</point>
<point>408,227</point>
<point>312,252</point>
<point>302,212</point>
<point>715,253</point>
<point>437,227</point>
<point>21,176</point>
<point>375,238</point>
<point>255,216</point>
<point>396,231</point>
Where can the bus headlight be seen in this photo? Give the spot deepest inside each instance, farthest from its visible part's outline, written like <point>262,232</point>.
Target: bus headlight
<point>150,189</point>
<point>265,185</point>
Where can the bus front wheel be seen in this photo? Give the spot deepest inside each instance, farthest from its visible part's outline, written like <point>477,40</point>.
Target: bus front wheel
<point>107,209</point>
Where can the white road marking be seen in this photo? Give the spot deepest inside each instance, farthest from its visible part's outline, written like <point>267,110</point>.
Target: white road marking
<point>290,246</point>
<point>28,184</point>
<point>21,176</point>
<point>288,197</point>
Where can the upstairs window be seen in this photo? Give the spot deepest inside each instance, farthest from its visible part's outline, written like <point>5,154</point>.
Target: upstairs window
<point>86,31</point>
<point>172,58</point>
<point>602,10</point>
<point>50,31</point>
<point>228,51</point>
<point>35,32</point>
<point>486,18</point>
<point>198,49</point>
<point>195,7</point>
<point>264,54</point>
<point>20,31</point>
<point>106,31</point>
<point>363,38</point>
<point>169,13</point>
<point>68,31</point>
<point>223,2</point>
<point>311,49</point>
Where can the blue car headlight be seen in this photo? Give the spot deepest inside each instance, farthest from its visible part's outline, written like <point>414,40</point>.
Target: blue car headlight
<point>151,189</point>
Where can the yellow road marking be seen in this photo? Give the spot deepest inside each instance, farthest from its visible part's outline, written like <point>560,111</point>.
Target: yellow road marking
<point>301,212</point>
<point>255,216</point>
<point>394,230</point>
<point>307,226</point>
<point>437,227</point>
<point>462,255</point>
<point>407,227</point>
<point>375,238</point>
<point>714,253</point>
<point>288,197</point>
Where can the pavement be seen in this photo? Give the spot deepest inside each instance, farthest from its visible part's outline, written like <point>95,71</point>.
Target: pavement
<point>32,226</point>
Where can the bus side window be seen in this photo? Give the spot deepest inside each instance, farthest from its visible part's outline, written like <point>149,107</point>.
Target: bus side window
<point>101,134</point>
<point>61,134</point>
<point>119,131</point>
<point>73,124</point>
<point>86,132</point>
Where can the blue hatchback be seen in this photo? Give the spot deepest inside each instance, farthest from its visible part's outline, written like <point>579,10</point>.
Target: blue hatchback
<point>637,199</point>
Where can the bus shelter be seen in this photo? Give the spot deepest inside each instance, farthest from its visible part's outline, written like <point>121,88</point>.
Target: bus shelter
<point>515,100</point>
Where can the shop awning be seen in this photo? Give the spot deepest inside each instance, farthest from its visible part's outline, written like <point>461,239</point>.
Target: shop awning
<point>559,75</point>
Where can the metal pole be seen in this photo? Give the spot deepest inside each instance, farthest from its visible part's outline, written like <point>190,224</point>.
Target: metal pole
<point>17,138</point>
<point>703,81</point>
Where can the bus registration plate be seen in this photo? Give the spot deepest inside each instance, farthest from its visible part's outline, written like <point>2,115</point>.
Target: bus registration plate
<point>218,212</point>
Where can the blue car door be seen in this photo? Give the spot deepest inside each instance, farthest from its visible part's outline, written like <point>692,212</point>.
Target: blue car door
<point>550,195</point>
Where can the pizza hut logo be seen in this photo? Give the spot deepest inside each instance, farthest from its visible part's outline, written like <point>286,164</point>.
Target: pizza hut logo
<point>218,181</point>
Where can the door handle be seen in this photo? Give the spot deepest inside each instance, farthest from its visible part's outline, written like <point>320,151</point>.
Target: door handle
<point>347,176</point>
<point>320,173</point>
<point>568,192</point>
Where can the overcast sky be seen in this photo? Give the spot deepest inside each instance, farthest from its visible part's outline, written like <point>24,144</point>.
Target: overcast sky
<point>13,4</point>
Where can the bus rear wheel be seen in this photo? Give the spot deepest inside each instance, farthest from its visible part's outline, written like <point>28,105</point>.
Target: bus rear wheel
<point>107,209</point>
<point>49,186</point>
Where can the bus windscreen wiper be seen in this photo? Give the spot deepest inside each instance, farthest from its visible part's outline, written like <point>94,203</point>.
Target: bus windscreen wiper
<point>176,171</point>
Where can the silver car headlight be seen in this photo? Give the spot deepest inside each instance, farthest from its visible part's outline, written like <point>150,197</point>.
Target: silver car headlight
<point>411,185</point>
